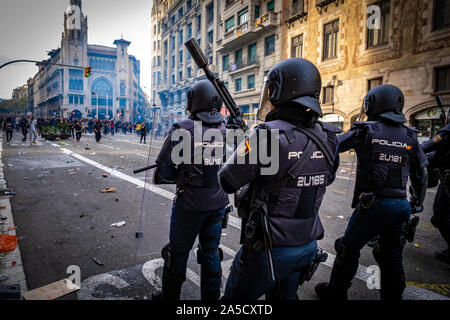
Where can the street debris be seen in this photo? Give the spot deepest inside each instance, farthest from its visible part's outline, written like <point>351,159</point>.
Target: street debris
<point>93,154</point>
<point>340,217</point>
<point>22,152</point>
<point>104,175</point>
<point>12,228</point>
<point>118,224</point>
<point>416,245</point>
<point>97,261</point>
<point>7,243</point>
<point>52,291</point>
<point>163,204</point>
<point>116,200</point>
<point>2,207</point>
<point>108,190</point>
<point>63,144</point>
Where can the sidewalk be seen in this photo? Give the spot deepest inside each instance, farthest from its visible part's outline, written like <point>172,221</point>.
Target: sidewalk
<point>11,262</point>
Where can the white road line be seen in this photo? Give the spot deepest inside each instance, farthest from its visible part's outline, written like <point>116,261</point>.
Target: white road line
<point>233,221</point>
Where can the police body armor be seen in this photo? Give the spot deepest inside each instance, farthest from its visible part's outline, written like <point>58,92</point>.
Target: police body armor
<point>293,196</point>
<point>384,163</point>
<point>197,184</point>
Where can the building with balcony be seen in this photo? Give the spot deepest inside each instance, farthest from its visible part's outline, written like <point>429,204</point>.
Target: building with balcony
<point>113,90</point>
<point>174,71</point>
<point>359,44</point>
<point>248,45</point>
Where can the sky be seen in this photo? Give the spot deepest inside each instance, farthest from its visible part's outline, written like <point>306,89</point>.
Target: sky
<point>31,28</point>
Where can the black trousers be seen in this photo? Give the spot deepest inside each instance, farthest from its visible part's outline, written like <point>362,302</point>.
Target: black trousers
<point>8,135</point>
<point>441,212</point>
<point>78,135</point>
<point>98,136</point>
<point>144,136</point>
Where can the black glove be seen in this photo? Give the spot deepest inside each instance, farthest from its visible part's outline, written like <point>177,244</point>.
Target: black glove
<point>415,207</point>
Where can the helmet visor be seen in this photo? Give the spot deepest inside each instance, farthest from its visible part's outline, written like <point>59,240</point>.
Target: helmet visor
<point>264,103</point>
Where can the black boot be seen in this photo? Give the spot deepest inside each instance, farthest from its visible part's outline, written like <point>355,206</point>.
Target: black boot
<point>171,287</point>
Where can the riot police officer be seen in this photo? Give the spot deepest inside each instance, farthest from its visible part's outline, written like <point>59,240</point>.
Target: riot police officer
<point>199,206</point>
<point>289,197</point>
<point>388,152</point>
<point>439,150</point>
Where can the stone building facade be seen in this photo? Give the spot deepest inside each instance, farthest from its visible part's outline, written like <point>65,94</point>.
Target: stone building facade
<point>20,92</point>
<point>113,88</point>
<point>248,44</point>
<point>359,44</point>
<point>174,71</point>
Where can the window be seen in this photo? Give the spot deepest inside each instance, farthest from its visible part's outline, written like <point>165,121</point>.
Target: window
<point>271,6</point>
<point>372,83</point>
<point>225,63</point>
<point>173,79</point>
<point>173,43</point>
<point>229,24</point>
<point>188,4</point>
<point>189,31</point>
<point>199,23</point>
<point>269,45</point>
<point>376,37</point>
<point>210,37</point>
<point>210,13</point>
<point>226,84</point>
<point>441,14</point>
<point>189,72</point>
<point>328,95</point>
<point>76,62</point>
<point>252,53</point>
<point>180,76</point>
<point>297,7</point>
<point>297,46</point>
<point>251,81</point>
<point>243,16</point>
<point>180,13</point>
<point>442,82</point>
<point>180,56</point>
<point>172,20</point>
<point>257,11</point>
<point>238,85</point>
<point>331,31</point>
<point>173,61</point>
<point>180,37</point>
<point>238,57</point>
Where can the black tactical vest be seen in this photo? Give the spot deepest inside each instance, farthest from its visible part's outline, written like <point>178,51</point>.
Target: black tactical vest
<point>197,182</point>
<point>384,160</point>
<point>294,200</point>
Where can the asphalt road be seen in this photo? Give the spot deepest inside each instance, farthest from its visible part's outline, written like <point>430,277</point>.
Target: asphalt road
<point>63,219</point>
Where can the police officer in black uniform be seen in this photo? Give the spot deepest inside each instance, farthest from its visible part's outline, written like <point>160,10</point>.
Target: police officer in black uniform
<point>290,196</point>
<point>199,206</point>
<point>438,151</point>
<point>388,152</point>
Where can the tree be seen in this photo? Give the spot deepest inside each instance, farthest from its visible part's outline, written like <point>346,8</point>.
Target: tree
<point>14,106</point>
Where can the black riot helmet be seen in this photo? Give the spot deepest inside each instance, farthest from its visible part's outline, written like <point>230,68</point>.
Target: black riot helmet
<point>293,80</point>
<point>204,103</point>
<point>385,102</point>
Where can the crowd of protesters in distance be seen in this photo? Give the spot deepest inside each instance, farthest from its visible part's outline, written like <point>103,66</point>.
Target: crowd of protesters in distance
<point>31,126</point>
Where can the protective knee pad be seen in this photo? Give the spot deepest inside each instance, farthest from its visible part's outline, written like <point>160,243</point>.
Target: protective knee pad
<point>201,254</point>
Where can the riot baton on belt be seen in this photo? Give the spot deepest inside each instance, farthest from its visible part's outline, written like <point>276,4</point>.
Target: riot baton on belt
<point>201,61</point>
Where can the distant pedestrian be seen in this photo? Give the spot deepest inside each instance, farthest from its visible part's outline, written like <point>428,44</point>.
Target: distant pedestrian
<point>143,132</point>
<point>33,131</point>
<point>24,127</point>
<point>9,130</point>
<point>77,126</point>
<point>98,131</point>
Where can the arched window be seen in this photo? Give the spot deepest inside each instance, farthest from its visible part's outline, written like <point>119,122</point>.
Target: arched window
<point>102,89</point>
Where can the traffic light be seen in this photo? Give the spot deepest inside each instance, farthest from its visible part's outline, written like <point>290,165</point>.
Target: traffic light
<point>87,72</point>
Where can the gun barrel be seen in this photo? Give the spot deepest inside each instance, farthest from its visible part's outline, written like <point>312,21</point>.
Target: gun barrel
<point>144,169</point>
<point>196,53</point>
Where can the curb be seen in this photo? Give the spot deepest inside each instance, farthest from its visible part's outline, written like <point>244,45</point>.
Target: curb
<point>10,262</point>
